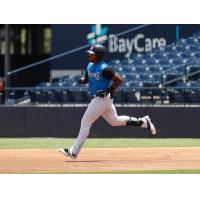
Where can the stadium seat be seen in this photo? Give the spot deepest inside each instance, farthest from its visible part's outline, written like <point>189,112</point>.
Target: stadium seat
<point>62,96</point>
<point>132,76</point>
<point>194,96</point>
<point>38,96</point>
<point>140,69</point>
<point>12,96</point>
<point>51,96</point>
<point>154,69</point>
<point>130,96</point>
<point>78,95</point>
<point>144,77</point>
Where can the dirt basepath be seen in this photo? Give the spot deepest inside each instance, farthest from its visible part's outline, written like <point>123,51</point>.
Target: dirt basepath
<point>99,160</point>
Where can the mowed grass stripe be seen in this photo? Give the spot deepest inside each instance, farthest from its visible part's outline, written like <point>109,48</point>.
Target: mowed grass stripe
<point>51,143</point>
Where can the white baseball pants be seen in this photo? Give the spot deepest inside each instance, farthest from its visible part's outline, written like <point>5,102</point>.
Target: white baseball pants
<point>98,107</point>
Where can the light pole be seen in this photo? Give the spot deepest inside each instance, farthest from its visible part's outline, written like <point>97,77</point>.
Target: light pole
<point>7,60</point>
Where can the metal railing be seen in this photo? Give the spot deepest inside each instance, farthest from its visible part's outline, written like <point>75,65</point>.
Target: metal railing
<point>73,51</point>
<point>124,95</point>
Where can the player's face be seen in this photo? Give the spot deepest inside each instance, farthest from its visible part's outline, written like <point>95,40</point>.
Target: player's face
<point>93,58</point>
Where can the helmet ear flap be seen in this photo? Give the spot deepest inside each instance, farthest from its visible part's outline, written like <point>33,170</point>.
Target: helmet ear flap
<point>101,56</point>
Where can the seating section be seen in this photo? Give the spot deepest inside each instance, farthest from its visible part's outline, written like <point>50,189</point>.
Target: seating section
<point>169,74</point>
<point>161,65</point>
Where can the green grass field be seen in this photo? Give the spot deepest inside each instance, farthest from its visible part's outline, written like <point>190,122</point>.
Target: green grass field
<point>55,143</point>
<point>51,143</point>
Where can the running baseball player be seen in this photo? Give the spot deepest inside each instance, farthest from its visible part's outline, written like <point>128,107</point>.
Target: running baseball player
<point>102,83</point>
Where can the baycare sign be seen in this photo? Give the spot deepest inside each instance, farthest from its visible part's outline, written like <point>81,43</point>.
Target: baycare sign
<point>137,43</point>
<point>67,37</point>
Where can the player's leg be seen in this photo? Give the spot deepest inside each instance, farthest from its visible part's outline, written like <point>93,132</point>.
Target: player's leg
<point>111,116</point>
<point>144,122</point>
<point>93,112</point>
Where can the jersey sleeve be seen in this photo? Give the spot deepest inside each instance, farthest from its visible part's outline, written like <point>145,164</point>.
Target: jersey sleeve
<point>86,77</point>
<point>108,73</point>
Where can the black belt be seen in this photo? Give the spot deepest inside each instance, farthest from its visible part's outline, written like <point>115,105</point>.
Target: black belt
<point>94,96</point>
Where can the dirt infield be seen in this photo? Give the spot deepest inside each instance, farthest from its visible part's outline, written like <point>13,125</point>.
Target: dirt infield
<point>99,160</point>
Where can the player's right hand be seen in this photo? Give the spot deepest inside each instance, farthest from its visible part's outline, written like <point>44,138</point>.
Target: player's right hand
<point>79,81</point>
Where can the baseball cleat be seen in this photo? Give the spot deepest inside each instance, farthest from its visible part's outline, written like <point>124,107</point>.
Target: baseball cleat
<point>67,152</point>
<point>150,125</point>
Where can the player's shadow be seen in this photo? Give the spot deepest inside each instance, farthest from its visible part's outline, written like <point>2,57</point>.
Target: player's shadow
<point>94,161</point>
<point>83,161</point>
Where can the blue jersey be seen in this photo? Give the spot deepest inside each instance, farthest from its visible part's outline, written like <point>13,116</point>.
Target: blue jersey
<point>96,80</point>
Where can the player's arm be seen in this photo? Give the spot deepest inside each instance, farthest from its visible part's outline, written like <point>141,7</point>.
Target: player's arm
<point>117,81</point>
<point>84,79</point>
<point>109,74</point>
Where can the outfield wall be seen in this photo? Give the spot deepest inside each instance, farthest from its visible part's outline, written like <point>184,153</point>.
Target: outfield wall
<point>65,122</point>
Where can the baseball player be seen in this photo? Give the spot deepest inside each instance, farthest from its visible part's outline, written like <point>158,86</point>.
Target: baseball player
<point>102,83</point>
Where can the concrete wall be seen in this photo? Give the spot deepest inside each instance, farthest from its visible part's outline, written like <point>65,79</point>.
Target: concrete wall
<point>65,122</point>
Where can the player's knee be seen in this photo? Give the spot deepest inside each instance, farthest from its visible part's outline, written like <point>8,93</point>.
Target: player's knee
<point>86,123</point>
<point>114,122</point>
